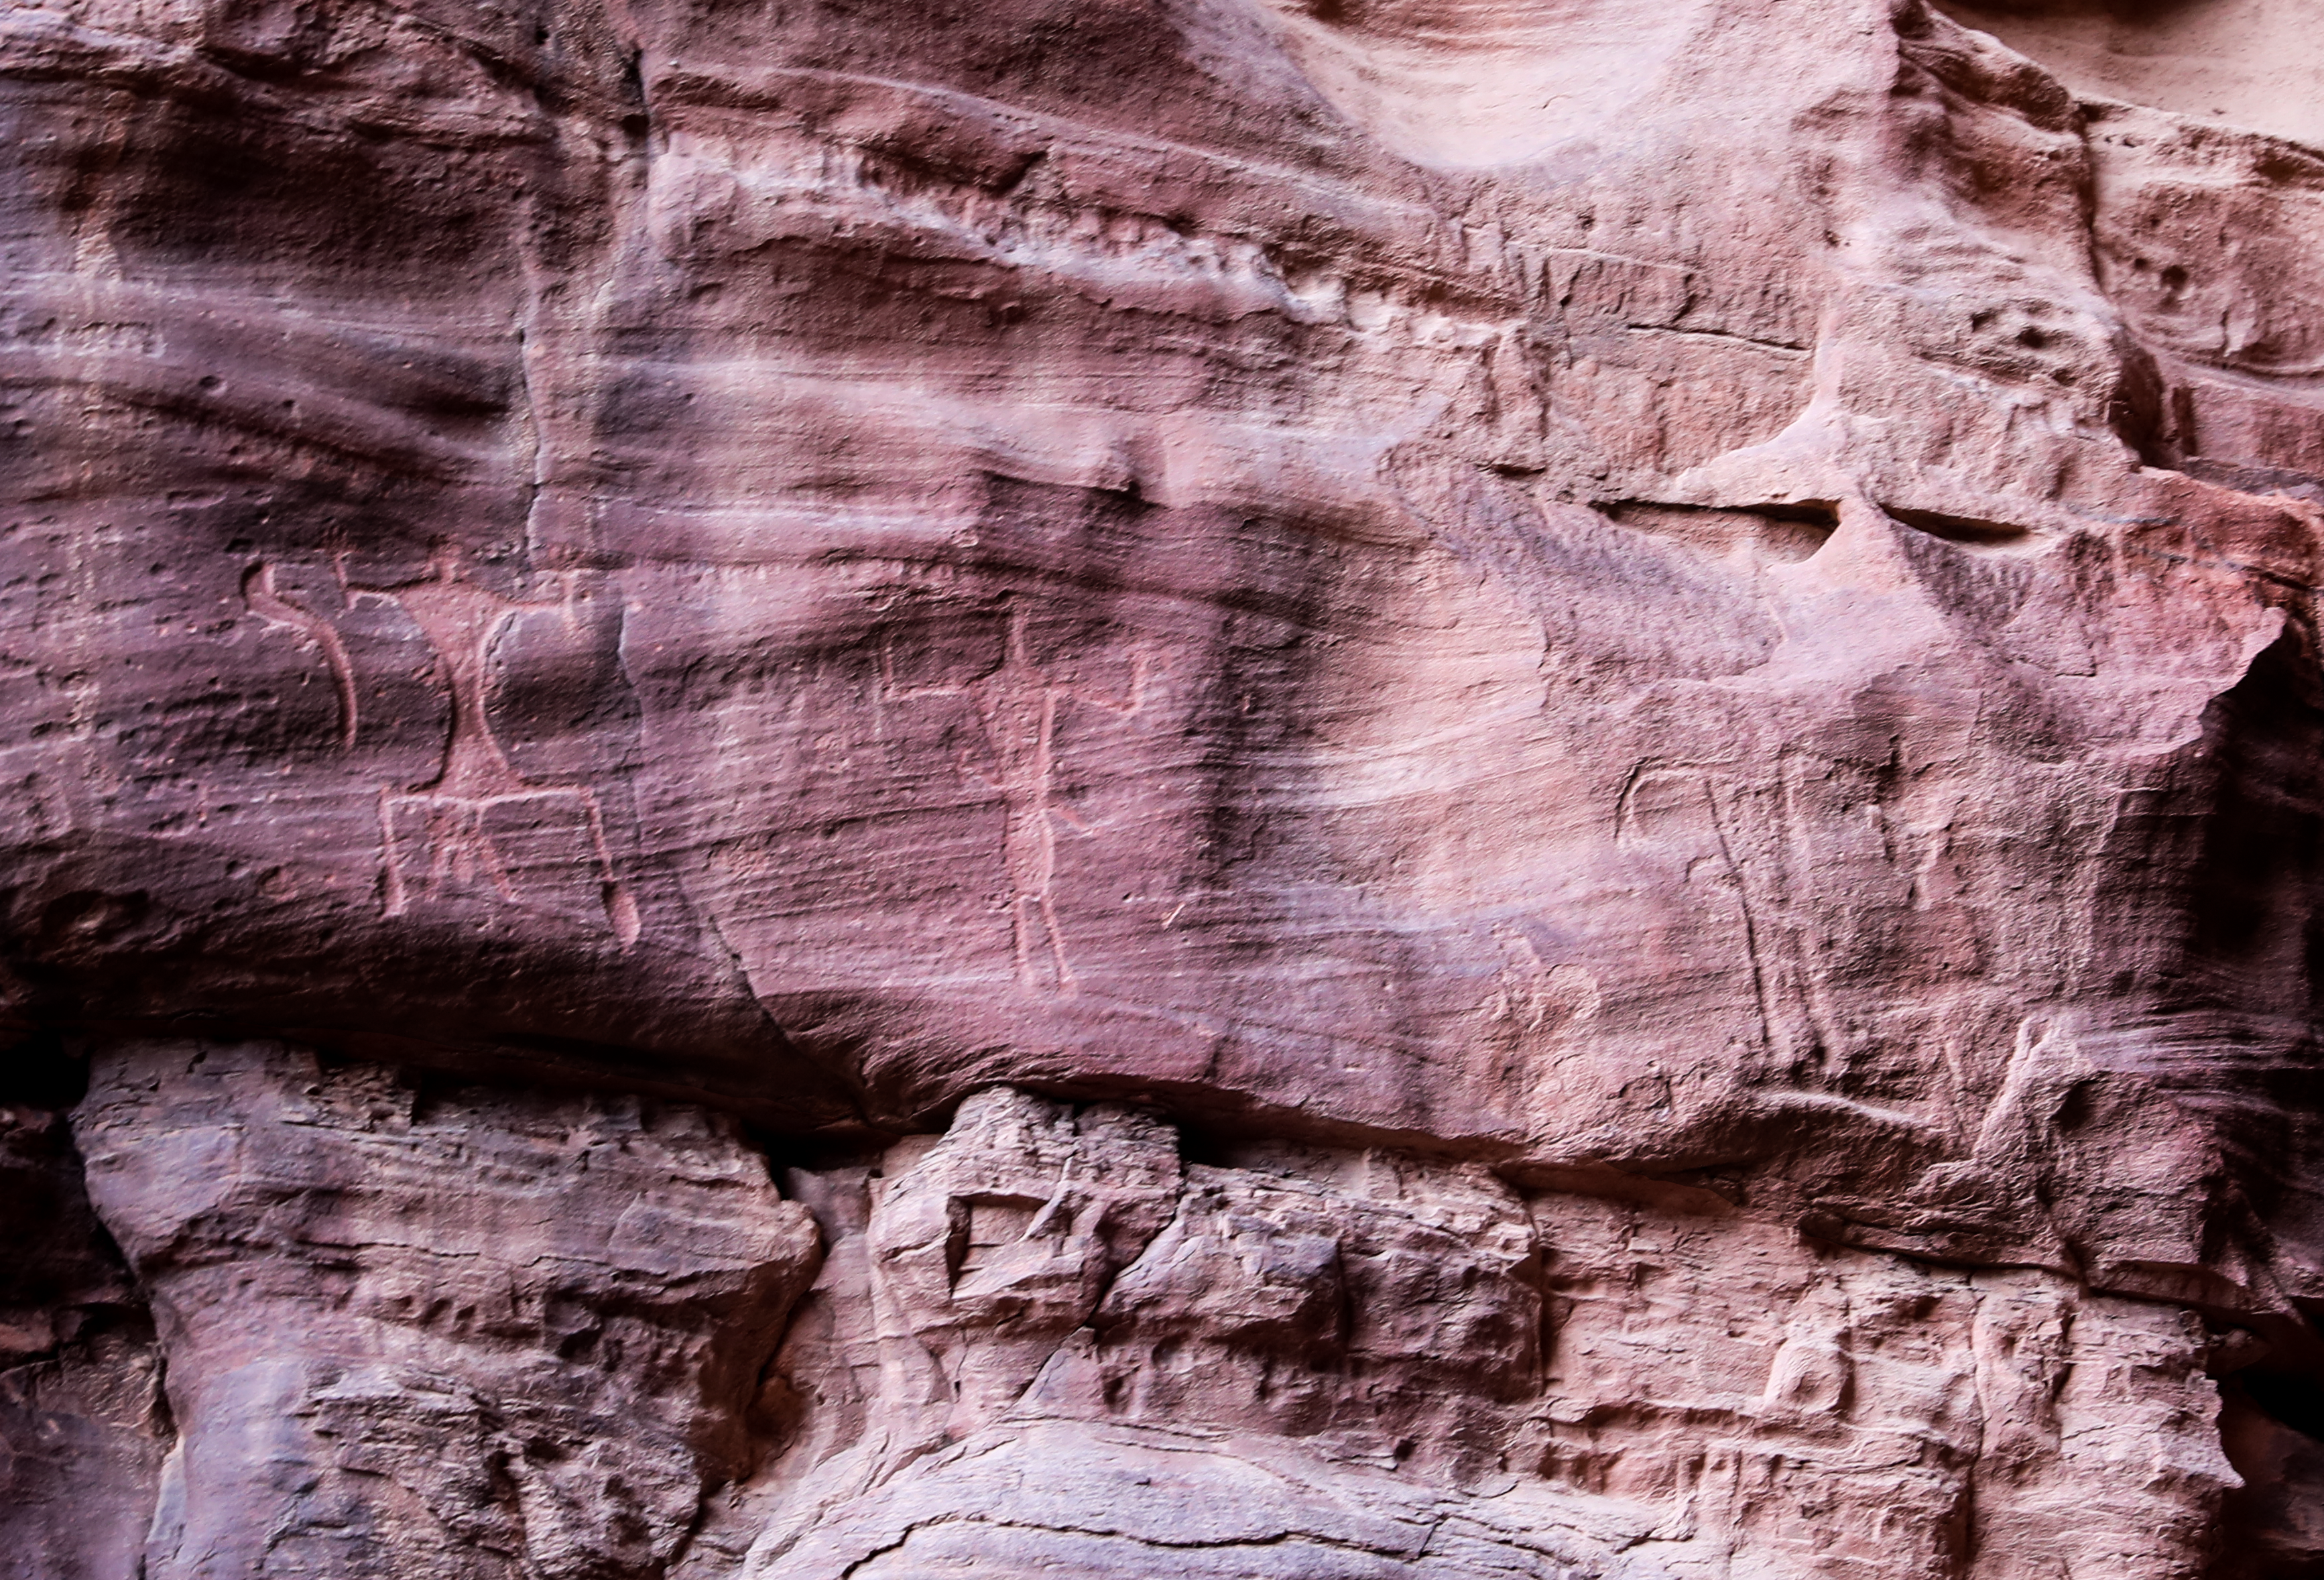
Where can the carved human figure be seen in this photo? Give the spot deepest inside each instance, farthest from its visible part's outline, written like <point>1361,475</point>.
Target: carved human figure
<point>1017,707</point>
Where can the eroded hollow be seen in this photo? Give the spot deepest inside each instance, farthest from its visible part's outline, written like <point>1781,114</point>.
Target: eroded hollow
<point>1787,533</point>
<point>1966,532</point>
<point>1483,82</point>
<point>2255,63</point>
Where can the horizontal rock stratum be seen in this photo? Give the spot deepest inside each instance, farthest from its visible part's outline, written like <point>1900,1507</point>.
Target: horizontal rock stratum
<point>1067,789</point>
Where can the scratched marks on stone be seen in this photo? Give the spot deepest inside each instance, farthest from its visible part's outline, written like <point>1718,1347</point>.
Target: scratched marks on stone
<point>484,820</point>
<point>1742,856</point>
<point>269,604</point>
<point>500,794</point>
<point>1016,706</point>
<point>1676,811</point>
<point>1536,1011</point>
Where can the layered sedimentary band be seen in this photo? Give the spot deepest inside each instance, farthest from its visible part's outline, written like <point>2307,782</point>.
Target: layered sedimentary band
<point>1341,790</point>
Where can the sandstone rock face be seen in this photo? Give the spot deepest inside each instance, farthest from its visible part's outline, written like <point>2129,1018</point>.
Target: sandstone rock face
<point>1358,1365</point>
<point>1294,789</point>
<point>83,1427</point>
<point>452,1336</point>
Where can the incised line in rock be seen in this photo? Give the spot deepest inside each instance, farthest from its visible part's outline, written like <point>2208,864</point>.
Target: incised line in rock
<point>1017,708</point>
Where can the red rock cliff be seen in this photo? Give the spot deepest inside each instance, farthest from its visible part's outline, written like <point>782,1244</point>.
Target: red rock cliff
<point>1276,790</point>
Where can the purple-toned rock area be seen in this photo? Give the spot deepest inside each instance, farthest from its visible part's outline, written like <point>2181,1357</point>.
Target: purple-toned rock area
<point>1161,790</point>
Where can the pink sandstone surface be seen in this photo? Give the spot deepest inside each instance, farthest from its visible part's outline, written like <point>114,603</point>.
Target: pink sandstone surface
<point>1241,790</point>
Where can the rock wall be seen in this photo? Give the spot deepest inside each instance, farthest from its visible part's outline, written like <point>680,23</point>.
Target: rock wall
<point>403,1328</point>
<point>1315,788</point>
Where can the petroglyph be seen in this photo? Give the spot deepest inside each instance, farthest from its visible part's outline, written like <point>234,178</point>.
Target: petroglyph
<point>1675,811</point>
<point>1017,707</point>
<point>1536,995</point>
<point>1695,962</point>
<point>478,823</point>
<point>519,846</point>
<point>258,590</point>
<point>480,820</point>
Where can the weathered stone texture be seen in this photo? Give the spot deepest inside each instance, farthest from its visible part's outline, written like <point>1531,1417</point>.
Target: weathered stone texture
<point>444,1334</point>
<point>1462,788</point>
